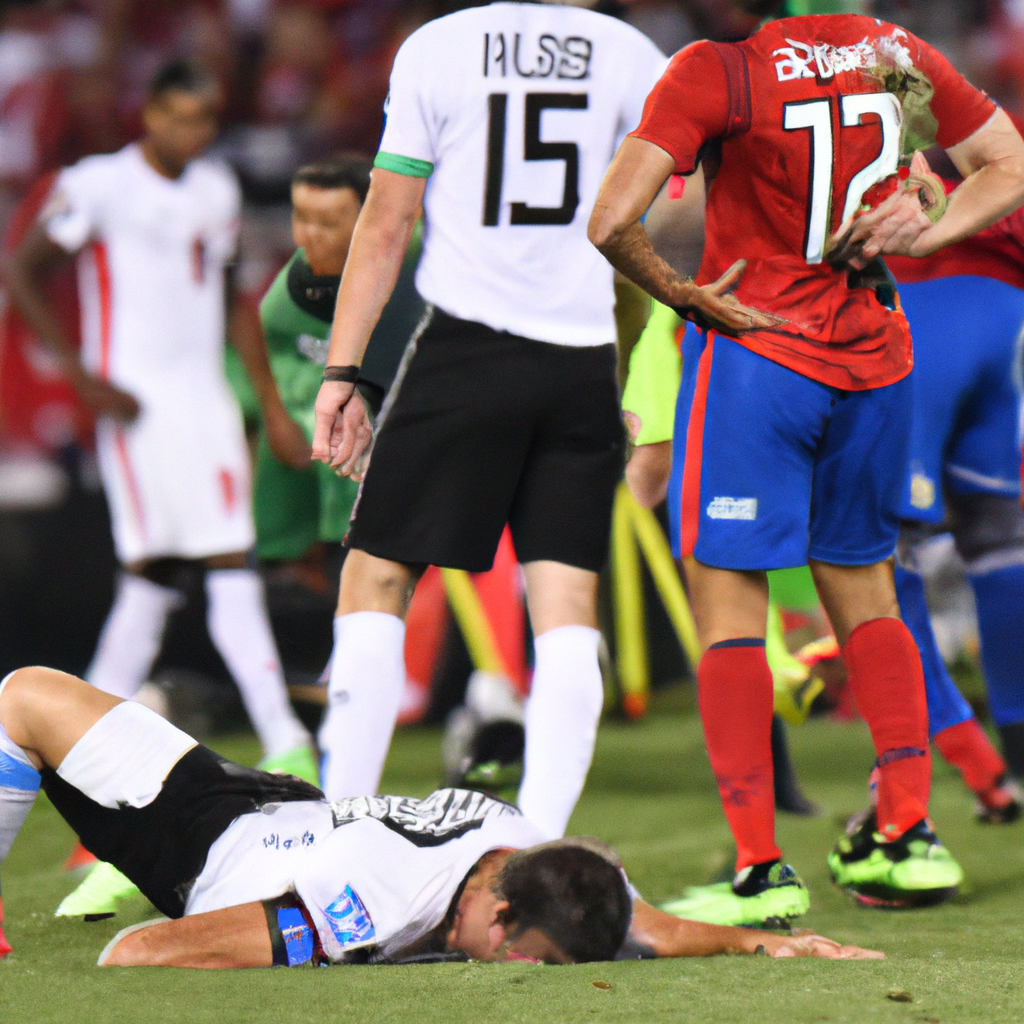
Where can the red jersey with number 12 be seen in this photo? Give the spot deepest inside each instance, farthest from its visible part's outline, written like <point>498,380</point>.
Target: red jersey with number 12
<point>793,125</point>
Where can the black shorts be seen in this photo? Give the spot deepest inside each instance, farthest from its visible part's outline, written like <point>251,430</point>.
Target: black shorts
<point>488,428</point>
<point>162,847</point>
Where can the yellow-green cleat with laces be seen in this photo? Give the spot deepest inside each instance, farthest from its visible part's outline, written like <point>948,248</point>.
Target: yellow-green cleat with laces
<point>915,870</point>
<point>764,896</point>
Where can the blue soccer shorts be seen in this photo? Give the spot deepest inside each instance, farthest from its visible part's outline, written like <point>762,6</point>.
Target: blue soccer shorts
<point>966,429</point>
<point>771,468</point>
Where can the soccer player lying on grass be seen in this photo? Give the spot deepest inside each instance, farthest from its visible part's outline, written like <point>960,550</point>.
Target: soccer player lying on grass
<point>261,870</point>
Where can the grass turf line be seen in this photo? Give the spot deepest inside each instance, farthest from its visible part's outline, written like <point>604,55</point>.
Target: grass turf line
<point>651,794</point>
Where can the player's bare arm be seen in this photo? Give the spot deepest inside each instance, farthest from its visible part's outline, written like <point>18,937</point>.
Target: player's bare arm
<point>381,237</point>
<point>26,272</point>
<point>669,936</point>
<point>231,938</point>
<point>634,179</point>
<point>992,163</point>
<point>287,441</point>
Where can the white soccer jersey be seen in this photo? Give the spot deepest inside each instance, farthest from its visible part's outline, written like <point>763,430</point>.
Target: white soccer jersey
<point>515,111</point>
<point>372,871</point>
<point>152,253</point>
<point>151,271</point>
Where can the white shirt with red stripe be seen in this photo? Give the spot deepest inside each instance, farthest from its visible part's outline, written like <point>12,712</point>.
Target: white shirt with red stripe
<point>152,252</point>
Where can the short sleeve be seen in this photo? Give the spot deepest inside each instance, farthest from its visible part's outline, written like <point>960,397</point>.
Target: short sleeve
<point>338,913</point>
<point>71,214</point>
<point>408,143</point>
<point>958,106</point>
<point>648,64</point>
<point>688,106</point>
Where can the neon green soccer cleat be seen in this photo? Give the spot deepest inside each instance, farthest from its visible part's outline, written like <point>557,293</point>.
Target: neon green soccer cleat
<point>765,896</point>
<point>98,894</point>
<point>298,762</point>
<point>915,870</point>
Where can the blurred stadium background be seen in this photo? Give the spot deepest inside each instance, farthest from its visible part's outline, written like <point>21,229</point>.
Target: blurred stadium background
<point>302,79</point>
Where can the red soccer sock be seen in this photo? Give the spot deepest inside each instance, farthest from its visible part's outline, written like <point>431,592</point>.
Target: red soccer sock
<point>735,696</point>
<point>885,675</point>
<point>969,750</point>
<point>5,946</point>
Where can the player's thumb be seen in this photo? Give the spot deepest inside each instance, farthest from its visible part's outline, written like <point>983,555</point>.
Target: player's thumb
<point>730,278</point>
<point>322,436</point>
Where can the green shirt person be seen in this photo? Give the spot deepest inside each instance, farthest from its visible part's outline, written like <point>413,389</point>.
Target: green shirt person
<point>298,509</point>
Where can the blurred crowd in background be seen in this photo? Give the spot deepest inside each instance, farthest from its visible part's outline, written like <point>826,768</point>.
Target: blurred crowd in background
<point>302,79</point>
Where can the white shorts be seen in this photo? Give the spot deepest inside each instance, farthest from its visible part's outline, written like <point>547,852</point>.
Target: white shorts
<point>178,479</point>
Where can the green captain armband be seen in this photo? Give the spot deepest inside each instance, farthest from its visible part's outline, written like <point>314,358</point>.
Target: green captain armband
<point>407,165</point>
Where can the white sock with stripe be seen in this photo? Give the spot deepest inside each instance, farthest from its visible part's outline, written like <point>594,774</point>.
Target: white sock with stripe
<point>131,636</point>
<point>240,629</point>
<point>562,713</point>
<point>367,680</point>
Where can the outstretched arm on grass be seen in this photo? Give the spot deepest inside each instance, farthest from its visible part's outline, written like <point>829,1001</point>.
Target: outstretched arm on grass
<point>233,937</point>
<point>669,936</point>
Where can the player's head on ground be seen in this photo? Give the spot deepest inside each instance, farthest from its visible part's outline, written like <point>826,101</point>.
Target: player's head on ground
<point>562,902</point>
<point>326,199</point>
<point>180,114</point>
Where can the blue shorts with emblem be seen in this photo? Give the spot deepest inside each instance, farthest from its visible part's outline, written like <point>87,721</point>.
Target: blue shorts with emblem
<point>771,468</point>
<point>966,430</point>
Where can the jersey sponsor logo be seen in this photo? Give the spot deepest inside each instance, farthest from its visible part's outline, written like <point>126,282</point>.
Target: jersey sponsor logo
<point>436,819</point>
<point>349,920</point>
<point>545,57</point>
<point>823,61</point>
<point>732,508</point>
<point>314,349</point>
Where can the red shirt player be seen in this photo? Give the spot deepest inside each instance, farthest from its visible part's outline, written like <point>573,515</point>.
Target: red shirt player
<point>796,432</point>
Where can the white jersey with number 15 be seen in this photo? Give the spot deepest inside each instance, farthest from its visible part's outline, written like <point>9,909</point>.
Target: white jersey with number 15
<point>515,110</point>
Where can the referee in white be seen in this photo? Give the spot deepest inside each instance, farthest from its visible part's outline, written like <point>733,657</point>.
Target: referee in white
<point>501,121</point>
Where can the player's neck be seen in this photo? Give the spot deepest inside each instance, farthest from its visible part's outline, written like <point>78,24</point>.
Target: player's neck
<point>163,167</point>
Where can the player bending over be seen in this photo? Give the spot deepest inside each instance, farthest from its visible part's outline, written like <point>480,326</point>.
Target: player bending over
<point>260,870</point>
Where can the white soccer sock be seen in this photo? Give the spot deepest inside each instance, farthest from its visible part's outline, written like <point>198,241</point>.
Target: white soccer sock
<point>131,636</point>
<point>367,679</point>
<point>240,629</point>
<point>562,713</point>
<point>19,784</point>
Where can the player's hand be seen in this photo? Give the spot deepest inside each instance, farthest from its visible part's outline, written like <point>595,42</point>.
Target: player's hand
<point>895,226</point>
<point>711,306</point>
<point>287,441</point>
<point>331,399</point>
<point>106,400</point>
<point>351,439</point>
<point>806,943</point>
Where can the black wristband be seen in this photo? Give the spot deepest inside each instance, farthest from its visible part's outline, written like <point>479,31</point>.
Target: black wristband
<point>341,374</point>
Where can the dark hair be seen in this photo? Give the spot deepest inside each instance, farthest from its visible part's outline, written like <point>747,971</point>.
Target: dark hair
<point>180,76</point>
<point>571,890</point>
<point>349,170</point>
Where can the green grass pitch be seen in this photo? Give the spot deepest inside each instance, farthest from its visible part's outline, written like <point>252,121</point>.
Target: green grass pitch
<point>651,794</point>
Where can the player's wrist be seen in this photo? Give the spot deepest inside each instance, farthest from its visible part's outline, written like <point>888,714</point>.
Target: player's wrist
<point>335,374</point>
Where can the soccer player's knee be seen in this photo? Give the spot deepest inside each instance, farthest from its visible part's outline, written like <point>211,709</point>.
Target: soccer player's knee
<point>577,897</point>
<point>20,696</point>
<point>987,526</point>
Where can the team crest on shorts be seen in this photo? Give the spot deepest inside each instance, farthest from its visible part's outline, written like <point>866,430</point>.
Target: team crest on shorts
<point>733,508</point>
<point>349,920</point>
